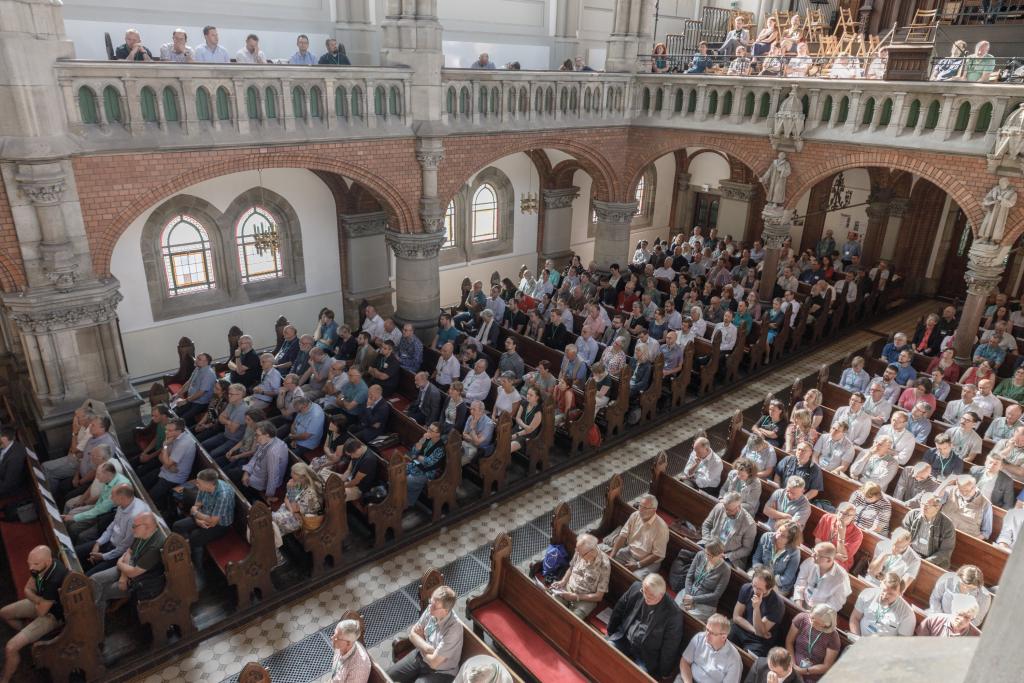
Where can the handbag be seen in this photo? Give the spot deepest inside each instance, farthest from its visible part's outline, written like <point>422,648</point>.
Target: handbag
<point>312,522</point>
<point>384,442</point>
<point>594,438</point>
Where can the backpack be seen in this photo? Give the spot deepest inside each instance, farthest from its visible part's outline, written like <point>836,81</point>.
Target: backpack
<point>594,436</point>
<point>556,561</point>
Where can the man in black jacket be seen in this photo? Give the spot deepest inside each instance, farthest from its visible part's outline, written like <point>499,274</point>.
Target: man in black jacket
<point>427,405</point>
<point>778,662</point>
<point>995,484</point>
<point>373,420</point>
<point>555,335</point>
<point>13,472</point>
<point>647,627</point>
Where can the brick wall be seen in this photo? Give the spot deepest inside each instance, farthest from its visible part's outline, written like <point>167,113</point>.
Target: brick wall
<point>12,268</point>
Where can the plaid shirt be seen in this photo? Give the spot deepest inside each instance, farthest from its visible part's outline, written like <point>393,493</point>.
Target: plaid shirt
<point>220,503</point>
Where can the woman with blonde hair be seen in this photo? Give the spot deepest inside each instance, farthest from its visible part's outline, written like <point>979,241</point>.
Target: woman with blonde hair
<point>800,429</point>
<point>814,642</point>
<point>303,503</point>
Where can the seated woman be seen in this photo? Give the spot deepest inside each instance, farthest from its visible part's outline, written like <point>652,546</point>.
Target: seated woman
<point>951,68</point>
<point>528,422</point>
<point>772,427</point>
<point>209,425</point>
<point>811,402</point>
<point>1000,314</point>
<point>1012,387</point>
<point>767,37</point>
<point>927,337</point>
<point>454,410</point>
<point>800,429</point>
<point>564,398</point>
<point>426,462</point>
<point>814,642</point>
<point>946,363</point>
<point>873,508</point>
<point>919,390</point>
<point>659,61</point>
<point>798,67</point>
<point>246,447</point>
<point>794,31</point>
<point>658,326</point>
<point>333,457</point>
<point>508,397</point>
<point>641,377</point>
<point>779,552</point>
<point>844,66</point>
<point>776,316</point>
<point>707,577</point>
<point>743,480</point>
<point>303,503</point>
<point>982,370</point>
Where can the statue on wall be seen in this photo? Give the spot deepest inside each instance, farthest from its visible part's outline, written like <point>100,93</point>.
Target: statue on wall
<point>1008,152</point>
<point>775,180</point>
<point>787,126</point>
<point>998,203</point>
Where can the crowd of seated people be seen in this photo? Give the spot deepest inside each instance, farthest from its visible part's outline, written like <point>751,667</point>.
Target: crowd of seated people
<point>211,52</point>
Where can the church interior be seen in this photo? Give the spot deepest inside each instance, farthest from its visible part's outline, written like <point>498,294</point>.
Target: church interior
<point>511,341</point>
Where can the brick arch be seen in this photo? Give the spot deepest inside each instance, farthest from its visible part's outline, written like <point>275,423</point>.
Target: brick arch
<point>400,214</point>
<point>805,177</point>
<point>465,156</point>
<point>563,172</point>
<point>650,145</point>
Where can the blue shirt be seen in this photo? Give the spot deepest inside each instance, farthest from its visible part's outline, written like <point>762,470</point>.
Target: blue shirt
<point>784,565</point>
<point>311,422</point>
<point>355,392</point>
<point>906,375</point>
<point>236,414</point>
<point>309,59</point>
<point>444,335</point>
<point>852,380</point>
<point>410,353</point>
<point>182,452</point>
<point>891,352</point>
<point>220,503</point>
<point>575,370</point>
<point>994,354</point>
<point>587,349</point>
<point>497,307</point>
<point>270,383</point>
<point>267,466</point>
<point>202,380</point>
<point>700,64</point>
<point>217,55</point>
<point>920,428</point>
<point>483,427</point>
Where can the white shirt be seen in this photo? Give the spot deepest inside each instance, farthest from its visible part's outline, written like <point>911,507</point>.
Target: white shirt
<point>374,326</point>
<point>859,424</point>
<point>831,588</point>
<point>476,386</point>
<point>713,666</point>
<point>902,443</point>
<point>988,406</point>
<point>707,474</point>
<point>243,56</point>
<point>699,327</point>
<point>794,306</point>
<point>728,335</point>
<point>876,620</point>
<point>448,370</point>
<point>880,409</point>
<point>217,55</point>
<point>664,273</point>
<point>906,564</point>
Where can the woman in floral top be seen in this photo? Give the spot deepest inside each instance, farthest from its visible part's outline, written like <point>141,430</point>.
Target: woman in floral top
<point>305,496</point>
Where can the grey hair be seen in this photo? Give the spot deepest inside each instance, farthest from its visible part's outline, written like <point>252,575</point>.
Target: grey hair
<point>348,629</point>
<point>796,482</point>
<point>648,498</point>
<point>898,534</point>
<point>587,541</point>
<point>104,450</point>
<point>731,497</point>
<point>844,506</point>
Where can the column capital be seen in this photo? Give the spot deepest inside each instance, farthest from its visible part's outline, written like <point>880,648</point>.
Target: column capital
<point>742,192</point>
<point>560,198</point>
<point>43,184</point>
<point>615,212</point>
<point>364,224</point>
<point>777,222</point>
<point>898,207</point>
<point>416,246</point>
<point>42,313</point>
<point>683,181</point>
<point>878,210</point>
<point>985,265</point>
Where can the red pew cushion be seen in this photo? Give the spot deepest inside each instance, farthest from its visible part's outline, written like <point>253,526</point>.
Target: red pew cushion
<point>19,539</point>
<point>400,403</point>
<point>174,387</point>
<point>667,517</point>
<point>388,453</point>
<point>228,548</point>
<point>525,644</point>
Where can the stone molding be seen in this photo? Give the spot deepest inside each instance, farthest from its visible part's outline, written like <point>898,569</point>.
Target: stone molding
<point>430,160</point>
<point>43,184</point>
<point>1007,155</point>
<point>40,316</point>
<point>364,224</point>
<point>560,198</point>
<point>777,222</point>
<point>741,192</point>
<point>986,262</point>
<point>683,182</point>
<point>786,126</point>
<point>620,213</point>
<point>898,207</point>
<point>416,246</point>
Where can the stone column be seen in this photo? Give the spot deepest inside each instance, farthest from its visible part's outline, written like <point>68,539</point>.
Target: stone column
<point>897,210</point>
<point>777,222</point>
<point>411,36</point>
<point>354,29</point>
<point>611,234</point>
<point>567,31</point>
<point>417,278</point>
<point>682,221</point>
<point>632,26</point>
<point>734,208</point>
<point>985,264</point>
<point>558,223</point>
<point>430,154</point>
<point>367,264</point>
<point>874,233</point>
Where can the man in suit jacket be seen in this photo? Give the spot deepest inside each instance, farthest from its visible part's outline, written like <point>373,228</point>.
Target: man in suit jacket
<point>647,626</point>
<point>778,662</point>
<point>13,471</point>
<point>487,333</point>
<point>427,405</point>
<point>993,483</point>
<point>366,355</point>
<point>374,419</point>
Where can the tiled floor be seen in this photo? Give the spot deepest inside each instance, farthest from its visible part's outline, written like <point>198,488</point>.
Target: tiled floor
<point>294,641</point>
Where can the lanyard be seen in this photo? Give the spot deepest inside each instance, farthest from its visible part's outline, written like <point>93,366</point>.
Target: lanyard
<point>41,579</point>
<point>880,613</point>
<point>811,642</point>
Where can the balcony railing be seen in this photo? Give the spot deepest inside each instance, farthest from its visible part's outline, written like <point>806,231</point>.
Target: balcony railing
<point>111,104</point>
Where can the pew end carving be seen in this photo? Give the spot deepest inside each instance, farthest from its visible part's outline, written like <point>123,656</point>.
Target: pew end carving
<point>171,609</point>
<point>252,573</point>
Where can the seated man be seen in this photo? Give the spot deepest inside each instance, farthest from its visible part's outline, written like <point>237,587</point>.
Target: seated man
<point>891,351</point>
<point>993,483</point>
<point>914,481</point>
<point>263,474</point>
<point>132,50</point>
<point>757,617</point>
<point>882,611</point>
<point>647,627</point>
<point>821,580</point>
<point>385,371</point>
<point>147,460</point>
<point>90,490</point>
<point>210,517</point>
<point>437,642</point>
<point>703,468</point>
<point>477,383</point>
<point>426,407</point>
<point>448,368</point>
<point>709,657</point>
<point>13,472</point>
<point>932,535</point>
<point>85,519</point>
<point>877,464</point>
<point>409,349</point>
<point>777,667</point>
<point>585,583</point>
<point>957,407</point>
<point>963,611</point>
<point>37,614</point>
<point>191,400</point>
<point>314,379</point>
<point>963,503</point>
<point>101,553</point>
<point>352,400</point>
<point>362,473</point>
<point>876,404</point>
<point>642,542</point>
<point>176,461</point>
<point>731,525</point>
<point>704,582</point>
<point>139,570</point>
<point>788,504</point>
<point>801,465</point>
<point>374,418</point>
<point>858,422</point>
<point>307,432</point>
<point>72,473</point>
<point>478,435</point>
<point>232,418</point>
<point>264,393</point>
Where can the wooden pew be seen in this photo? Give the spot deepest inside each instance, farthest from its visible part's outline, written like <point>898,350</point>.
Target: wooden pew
<point>550,642</point>
<point>442,491</point>
<point>326,542</point>
<point>538,449</point>
<point>615,412</point>
<point>681,380</point>
<point>586,403</point>
<point>472,644</point>
<point>735,357</point>
<point>705,374</point>
<point>387,514</point>
<point>492,471</point>
<point>649,398</point>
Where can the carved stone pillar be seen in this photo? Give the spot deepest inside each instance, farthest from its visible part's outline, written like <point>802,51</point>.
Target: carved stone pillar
<point>367,264</point>
<point>430,154</point>
<point>417,278</point>
<point>567,30</point>
<point>354,28</point>
<point>611,243</point>
<point>897,210</point>
<point>985,264</point>
<point>683,218</point>
<point>558,223</point>
<point>632,26</point>
<point>777,222</point>
<point>411,36</point>
<point>874,234</point>
<point>734,208</point>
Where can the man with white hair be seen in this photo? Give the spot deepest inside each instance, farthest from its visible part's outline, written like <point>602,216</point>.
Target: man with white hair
<point>953,625</point>
<point>920,424</point>
<point>585,583</point>
<point>351,661</point>
<point>894,554</point>
<point>876,404</point>
<point>642,542</point>
<point>891,351</point>
<point>956,408</point>
<point>1002,427</point>
<point>698,325</point>
<point>732,526</point>
<point>703,468</point>
<point>914,481</point>
<point>483,669</point>
<point>900,437</point>
<point>265,392</point>
<point>821,580</point>
<point>877,464</point>
<point>788,504</point>
<point>647,626</point>
<point>932,535</point>
<point>478,434</point>
<point>373,324</point>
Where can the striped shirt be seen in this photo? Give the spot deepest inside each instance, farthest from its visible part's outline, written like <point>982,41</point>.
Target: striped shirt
<point>220,503</point>
<point>872,516</point>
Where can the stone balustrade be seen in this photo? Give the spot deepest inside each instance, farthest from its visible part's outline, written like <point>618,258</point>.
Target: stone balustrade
<point>959,117</point>
<point>113,105</point>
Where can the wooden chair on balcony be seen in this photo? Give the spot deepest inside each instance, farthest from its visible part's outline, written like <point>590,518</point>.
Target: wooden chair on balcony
<point>845,23</point>
<point>815,25</point>
<point>922,27</point>
<point>748,16</point>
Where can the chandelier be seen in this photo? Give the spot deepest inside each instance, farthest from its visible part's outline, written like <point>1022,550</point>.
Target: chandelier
<point>839,197</point>
<point>528,202</point>
<point>265,238</point>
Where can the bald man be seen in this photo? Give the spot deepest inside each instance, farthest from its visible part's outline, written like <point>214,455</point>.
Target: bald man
<point>139,572</point>
<point>39,612</point>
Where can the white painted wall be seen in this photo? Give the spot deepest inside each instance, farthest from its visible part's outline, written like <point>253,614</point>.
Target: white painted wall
<point>708,169</point>
<point>840,222</point>
<point>150,346</point>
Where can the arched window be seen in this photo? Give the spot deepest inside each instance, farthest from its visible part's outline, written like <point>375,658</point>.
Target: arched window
<point>485,214</point>
<point>395,102</point>
<point>449,226</point>
<point>641,196</point>
<point>223,104</point>
<point>450,102</point>
<point>112,104</point>
<point>188,259</point>
<point>341,103</point>
<point>147,99</point>
<point>315,110</point>
<point>644,196</point>
<point>252,103</point>
<point>298,103</point>
<point>203,112</point>
<point>378,101</point>
<point>87,105</point>
<point>258,241</point>
<point>913,113</point>
<point>357,103</point>
<point>170,104</point>
<point>271,100</point>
